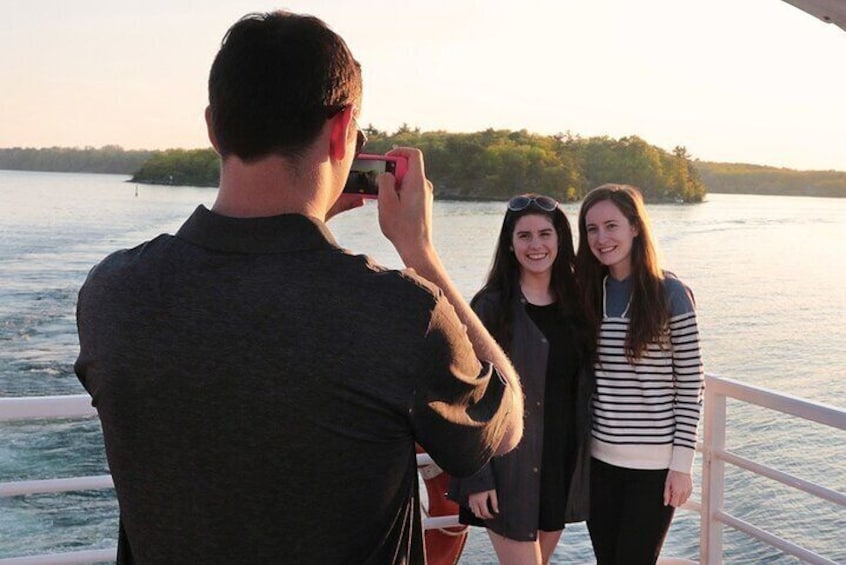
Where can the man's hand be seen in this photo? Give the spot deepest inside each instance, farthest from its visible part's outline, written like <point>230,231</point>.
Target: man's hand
<point>478,503</point>
<point>405,212</point>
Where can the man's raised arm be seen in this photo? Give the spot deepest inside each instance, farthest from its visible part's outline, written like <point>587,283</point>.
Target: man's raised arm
<point>405,217</point>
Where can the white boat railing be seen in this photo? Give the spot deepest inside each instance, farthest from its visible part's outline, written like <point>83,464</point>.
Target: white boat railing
<point>713,448</point>
<point>715,456</point>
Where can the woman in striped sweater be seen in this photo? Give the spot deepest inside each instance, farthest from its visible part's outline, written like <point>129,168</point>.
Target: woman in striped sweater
<point>649,379</point>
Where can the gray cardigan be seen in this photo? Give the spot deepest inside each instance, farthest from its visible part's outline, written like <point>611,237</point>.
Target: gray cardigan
<point>520,468</point>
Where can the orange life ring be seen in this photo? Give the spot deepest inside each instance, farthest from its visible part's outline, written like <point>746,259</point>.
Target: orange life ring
<point>443,545</point>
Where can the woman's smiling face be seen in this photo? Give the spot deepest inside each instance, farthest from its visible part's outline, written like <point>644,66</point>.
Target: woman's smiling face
<point>535,243</point>
<point>610,236</point>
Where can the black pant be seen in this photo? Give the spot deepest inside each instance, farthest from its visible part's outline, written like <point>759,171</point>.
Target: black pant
<point>628,520</point>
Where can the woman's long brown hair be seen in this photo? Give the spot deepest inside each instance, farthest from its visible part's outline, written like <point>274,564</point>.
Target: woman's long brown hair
<point>648,312</point>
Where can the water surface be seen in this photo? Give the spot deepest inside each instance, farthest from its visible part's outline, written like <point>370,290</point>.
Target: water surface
<point>768,273</point>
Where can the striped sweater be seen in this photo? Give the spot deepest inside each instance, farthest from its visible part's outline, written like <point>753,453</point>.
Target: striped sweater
<point>646,413</point>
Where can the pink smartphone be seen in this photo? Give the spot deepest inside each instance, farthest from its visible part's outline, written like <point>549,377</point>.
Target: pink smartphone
<point>366,169</point>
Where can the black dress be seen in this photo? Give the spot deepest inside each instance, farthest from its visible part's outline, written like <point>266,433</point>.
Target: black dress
<point>548,391</point>
<point>559,429</point>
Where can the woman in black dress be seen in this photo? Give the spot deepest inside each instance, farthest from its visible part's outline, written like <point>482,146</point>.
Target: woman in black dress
<point>529,303</point>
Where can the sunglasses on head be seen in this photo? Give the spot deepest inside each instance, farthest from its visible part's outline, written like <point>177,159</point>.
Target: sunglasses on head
<point>520,203</point>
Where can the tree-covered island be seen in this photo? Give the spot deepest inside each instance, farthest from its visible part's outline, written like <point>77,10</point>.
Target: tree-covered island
<point>495,164</point>
<point>490,164</point>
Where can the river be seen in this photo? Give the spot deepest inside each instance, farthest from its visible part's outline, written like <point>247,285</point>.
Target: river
<point>768,273</point>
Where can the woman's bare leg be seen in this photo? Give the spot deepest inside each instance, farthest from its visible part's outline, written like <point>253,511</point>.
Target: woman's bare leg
<point>548,541</point>
<point>512,552</point>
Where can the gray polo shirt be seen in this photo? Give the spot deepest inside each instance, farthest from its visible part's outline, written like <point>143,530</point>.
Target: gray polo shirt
<point>261,391</point>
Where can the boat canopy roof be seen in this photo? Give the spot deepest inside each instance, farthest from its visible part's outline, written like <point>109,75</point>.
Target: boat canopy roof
<point>830,11</point>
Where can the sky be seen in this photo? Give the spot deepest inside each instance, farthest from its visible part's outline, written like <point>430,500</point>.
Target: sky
<point>750,81</point>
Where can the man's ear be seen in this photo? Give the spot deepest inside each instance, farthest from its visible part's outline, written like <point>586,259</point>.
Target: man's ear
<point>339,133</point>
<point>210,129</point>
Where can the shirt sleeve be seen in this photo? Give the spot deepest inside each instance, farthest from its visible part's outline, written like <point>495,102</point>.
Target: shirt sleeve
<point>460,405</point>
<point>483,480</point>
<point>688,375</point>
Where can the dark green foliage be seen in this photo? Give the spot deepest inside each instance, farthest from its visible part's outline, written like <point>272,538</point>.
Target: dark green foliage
<point>499,163</point>
<point>490,164</point>
<point>495,164</point>
<point>194,167</point>
<point>111,159</point>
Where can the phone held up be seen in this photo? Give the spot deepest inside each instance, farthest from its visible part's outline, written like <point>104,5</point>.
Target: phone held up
<point>366,169</point>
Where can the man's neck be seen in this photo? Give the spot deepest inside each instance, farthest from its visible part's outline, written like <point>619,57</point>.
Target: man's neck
<point>269,187</point>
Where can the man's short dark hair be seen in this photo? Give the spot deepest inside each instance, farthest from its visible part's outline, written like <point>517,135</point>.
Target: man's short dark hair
<point>276,79</point>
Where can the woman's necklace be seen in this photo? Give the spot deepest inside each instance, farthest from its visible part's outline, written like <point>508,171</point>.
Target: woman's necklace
<point>605,301</point>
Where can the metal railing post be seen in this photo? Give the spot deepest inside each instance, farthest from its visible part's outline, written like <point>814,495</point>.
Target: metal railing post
<point>713,477</point>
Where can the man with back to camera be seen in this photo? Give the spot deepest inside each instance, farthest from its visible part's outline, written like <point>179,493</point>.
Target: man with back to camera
<point>260,389</point>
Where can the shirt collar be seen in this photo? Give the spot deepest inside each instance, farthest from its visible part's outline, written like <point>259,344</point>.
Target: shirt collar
<point>272,234</point>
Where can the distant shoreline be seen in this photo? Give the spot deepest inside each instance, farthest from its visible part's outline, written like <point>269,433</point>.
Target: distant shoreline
<point>725,186</point>
<point>741,178</point>
<point>201,171</point>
